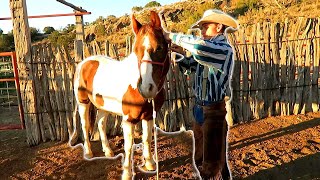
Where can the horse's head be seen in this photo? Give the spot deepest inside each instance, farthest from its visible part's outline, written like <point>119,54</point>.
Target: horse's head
<point>152,53</point>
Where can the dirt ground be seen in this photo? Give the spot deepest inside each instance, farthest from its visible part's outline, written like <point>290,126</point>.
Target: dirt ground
<point>272,148</point>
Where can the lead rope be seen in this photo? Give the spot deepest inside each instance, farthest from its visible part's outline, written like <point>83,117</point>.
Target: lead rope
<point>155,137</point>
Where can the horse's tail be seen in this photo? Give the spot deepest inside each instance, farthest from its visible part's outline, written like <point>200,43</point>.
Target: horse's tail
<point>92,117</point>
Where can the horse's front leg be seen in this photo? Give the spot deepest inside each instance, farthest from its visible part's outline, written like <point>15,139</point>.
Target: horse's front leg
<point>128,142</point>
<point>146,139</point>
<point>102,117</point>
<point>84,115</point>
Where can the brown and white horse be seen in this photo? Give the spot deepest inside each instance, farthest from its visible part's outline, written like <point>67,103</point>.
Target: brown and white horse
<point>125,88</point>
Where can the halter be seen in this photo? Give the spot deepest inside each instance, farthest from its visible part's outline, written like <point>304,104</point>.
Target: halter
<point>159,64</point>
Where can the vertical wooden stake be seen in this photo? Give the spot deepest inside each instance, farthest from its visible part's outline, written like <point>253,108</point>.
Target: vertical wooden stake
<point>22,42</point>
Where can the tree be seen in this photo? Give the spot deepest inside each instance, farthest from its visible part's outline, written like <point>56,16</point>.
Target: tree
<point>6,42</point>
<point>152,4</point>
<point>137,8</point>
<point>69,28</point>
<point>100,30</point>
<point>48,30</point>
<point>62,39</point>
<point>34,32</point>
<point>1,31</point>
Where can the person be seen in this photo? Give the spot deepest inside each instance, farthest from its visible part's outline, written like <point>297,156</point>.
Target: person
<point>212,59</point>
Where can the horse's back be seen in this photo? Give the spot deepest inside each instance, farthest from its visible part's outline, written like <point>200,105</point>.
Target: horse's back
<point>103,79</point>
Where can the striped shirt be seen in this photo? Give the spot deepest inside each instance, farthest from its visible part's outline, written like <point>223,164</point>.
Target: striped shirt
<point>213,62</point>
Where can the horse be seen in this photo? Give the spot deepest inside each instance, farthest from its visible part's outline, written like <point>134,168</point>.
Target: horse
<point>125,88</point>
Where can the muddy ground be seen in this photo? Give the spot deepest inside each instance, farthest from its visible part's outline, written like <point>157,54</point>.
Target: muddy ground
<point>272,148</point>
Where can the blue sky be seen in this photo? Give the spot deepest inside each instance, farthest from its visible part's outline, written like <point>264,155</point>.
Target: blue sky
<point>96,7</point>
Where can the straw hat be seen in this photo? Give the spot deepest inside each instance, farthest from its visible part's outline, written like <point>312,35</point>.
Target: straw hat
<point>217,16</point>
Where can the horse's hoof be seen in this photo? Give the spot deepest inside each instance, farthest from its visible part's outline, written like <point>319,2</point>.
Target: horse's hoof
<point>150,165</point>
<point>88,156</point>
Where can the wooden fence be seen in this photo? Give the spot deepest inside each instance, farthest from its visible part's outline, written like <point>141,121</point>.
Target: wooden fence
<point>276,70</point>
<point>276,73</point>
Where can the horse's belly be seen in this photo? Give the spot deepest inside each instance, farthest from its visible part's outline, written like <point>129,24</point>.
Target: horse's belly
<point>108,90</point>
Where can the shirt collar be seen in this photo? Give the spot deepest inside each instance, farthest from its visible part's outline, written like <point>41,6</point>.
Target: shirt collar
<point>218,37</point>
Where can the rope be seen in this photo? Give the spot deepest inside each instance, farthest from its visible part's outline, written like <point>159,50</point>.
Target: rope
<point>154,113</point>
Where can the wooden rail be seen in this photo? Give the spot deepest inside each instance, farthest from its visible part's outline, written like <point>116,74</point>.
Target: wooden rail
<point>52,15</point>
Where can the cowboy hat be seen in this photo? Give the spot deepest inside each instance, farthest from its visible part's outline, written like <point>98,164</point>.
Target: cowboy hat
<point>217,16</point>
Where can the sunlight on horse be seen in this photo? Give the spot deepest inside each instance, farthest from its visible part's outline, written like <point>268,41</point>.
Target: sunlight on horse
<point>124,88</point>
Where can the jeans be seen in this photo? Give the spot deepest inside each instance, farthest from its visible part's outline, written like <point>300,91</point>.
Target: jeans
<point>211,142</point>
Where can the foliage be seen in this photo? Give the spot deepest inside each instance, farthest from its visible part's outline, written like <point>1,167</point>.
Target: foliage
<point>100,30</point>
<point>190,16</point>
<point>152,4</point>
<point>137,8</point>
<point>6,42</point>
<point>63,39</point>
<point>48,30</point>
<point>243,6</point>
<point>111,17</point>
<point>1,31</point>
<point>69,28</point>
<point>34,33</point>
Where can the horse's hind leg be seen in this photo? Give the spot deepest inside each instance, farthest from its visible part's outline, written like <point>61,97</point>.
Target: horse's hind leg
<point>146,139</point>
<point>102,117</point>
<point>75,135</point>
<point>84,116</point>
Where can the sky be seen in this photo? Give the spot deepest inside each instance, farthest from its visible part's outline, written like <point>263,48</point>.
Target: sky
<point>97,8</point>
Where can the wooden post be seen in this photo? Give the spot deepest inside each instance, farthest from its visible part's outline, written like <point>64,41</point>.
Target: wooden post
<point>22,42</point>
<point>79,27</point>
<point>79,38</point>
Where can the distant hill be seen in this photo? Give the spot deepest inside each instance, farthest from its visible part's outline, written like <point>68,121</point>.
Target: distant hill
<point>181,15</point>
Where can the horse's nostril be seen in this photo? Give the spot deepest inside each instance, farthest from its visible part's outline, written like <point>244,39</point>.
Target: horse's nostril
<point>150,87</point>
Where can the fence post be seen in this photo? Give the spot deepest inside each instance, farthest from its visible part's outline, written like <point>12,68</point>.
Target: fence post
<point>22,42</point>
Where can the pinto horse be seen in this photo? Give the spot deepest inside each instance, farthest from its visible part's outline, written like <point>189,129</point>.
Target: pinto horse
<point>125,88</point>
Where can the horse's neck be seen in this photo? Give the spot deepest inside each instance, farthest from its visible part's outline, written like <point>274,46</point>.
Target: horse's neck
<point>132,58</point>
<point>130,67</point>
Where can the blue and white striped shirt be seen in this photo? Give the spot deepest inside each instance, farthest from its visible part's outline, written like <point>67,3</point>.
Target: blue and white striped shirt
<point>214,64</point>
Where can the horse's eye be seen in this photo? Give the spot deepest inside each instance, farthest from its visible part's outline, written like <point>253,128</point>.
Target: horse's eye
<point>159,48</point>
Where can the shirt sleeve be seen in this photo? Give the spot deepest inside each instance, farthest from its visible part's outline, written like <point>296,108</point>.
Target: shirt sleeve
<point>207,53</point>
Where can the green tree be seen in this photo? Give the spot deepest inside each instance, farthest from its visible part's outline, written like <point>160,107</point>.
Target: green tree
<point>152,4</point>
<point>34,32</point>
<point>243,6</point>
<point>53,37</point>
<point>57,38</point>
<point>137,8</point>
<point>69,28</point>
<point>48,30</point>
<point>6,42</point>
<point>100,30</point>
<point>1,31</point>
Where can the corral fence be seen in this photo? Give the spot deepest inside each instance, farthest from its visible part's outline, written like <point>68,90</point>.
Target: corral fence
<point>276,70</point>
<point>276,73</point>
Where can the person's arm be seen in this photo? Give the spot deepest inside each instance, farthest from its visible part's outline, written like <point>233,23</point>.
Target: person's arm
<point>187,63</point>
<point>205,52</point>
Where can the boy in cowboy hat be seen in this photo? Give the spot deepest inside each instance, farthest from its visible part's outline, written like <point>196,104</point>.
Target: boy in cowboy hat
<point>212,59</point>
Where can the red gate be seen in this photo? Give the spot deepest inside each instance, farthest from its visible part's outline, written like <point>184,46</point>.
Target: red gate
<point>12,55</point>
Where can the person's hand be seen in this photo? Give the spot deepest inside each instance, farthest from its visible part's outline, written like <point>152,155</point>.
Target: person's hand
<point>178,49</point>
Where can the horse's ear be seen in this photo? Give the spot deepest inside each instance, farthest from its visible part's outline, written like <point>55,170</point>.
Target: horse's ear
<point>135,24</point>
<point>155,20</point>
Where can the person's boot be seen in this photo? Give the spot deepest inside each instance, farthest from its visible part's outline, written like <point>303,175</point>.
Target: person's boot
<point>198,139</point>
